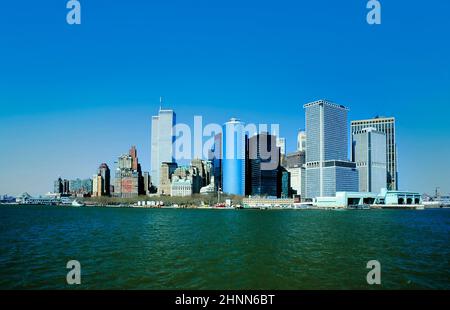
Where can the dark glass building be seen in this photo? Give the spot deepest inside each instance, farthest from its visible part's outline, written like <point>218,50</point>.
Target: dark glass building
<point>263,166</point>
<point>105,173</point>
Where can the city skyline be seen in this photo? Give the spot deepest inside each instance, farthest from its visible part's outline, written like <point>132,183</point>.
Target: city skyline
<point>292,149</point>
<point>74,99</point>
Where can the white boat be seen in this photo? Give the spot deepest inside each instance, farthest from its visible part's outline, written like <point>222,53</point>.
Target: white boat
<point>75,203</point>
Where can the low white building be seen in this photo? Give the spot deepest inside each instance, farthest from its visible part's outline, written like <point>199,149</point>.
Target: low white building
<point>181,187</point>
<point>345,199</point>
<point>399,198</point>
<point>385,199</point>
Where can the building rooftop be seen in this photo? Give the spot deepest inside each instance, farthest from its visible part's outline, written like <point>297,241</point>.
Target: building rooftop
<point>375,119</point>
<point>326,102</point>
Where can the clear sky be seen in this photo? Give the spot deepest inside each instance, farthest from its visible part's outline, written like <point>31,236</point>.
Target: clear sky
<point>72,97</point>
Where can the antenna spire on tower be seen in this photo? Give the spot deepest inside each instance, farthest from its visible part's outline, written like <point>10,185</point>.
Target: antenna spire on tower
<point>160,102</point>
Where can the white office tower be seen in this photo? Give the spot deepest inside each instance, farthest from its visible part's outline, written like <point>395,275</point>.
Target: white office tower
<point>301,141</point>
<point>281,143</point>
<point>369,154</point>
<point>328,169</point>
<point>387,126</point>
<point>162,143</point>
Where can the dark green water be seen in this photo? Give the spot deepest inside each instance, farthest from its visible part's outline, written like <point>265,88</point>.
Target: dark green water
<point>218,249</point>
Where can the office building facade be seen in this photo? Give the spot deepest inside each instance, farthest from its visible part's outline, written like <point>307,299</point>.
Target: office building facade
<point>162,142</point>
<point>263,165</point>
<point>327,167</point>
<point>165,182</point>
<point>387,126</point>
<point>301,141</point>
<point>369,154</point>
<point>297,179</point>
<point>181,187</point>
<point>234,157</point>
<point>105,174</point>
<point>129,180</point>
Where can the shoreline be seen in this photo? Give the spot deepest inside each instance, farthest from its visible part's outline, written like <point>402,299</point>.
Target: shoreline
<point>123,206</point>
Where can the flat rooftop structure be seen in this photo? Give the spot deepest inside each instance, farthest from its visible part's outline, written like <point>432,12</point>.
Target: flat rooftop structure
<point>373,120</point>
<point>325,102</point>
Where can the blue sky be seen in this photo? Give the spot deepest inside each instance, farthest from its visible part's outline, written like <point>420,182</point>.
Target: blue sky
<point>72,97</point>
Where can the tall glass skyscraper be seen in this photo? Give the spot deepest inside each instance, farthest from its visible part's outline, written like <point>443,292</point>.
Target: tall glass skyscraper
<point>328,169</point>
<point>163,138</point>
<point>264,162</point>
<point>233,162</point>
<point>387,126</point>
<point>369,154</point>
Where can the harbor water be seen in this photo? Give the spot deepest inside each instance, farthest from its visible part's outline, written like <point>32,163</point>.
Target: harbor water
<point>131,248</point>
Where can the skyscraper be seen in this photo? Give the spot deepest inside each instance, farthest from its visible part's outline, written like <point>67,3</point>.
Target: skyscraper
<point>234,154</point>
<point>100,185</point>
<point>369,154</point>
<point>95,185</point>
<point>129,181</point>
<point>162,142</point>
<point>387,126</point>
<point>327,167</point>
<point>264,181</point>
<point>147,183</point>
<point>58,186</point>
<point>301,141</point>
<point>105,173</point>
<point>165,181</point>
<point>295,165</point>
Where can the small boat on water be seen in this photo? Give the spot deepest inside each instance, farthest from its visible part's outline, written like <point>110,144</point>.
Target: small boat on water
<point>75,203</point>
